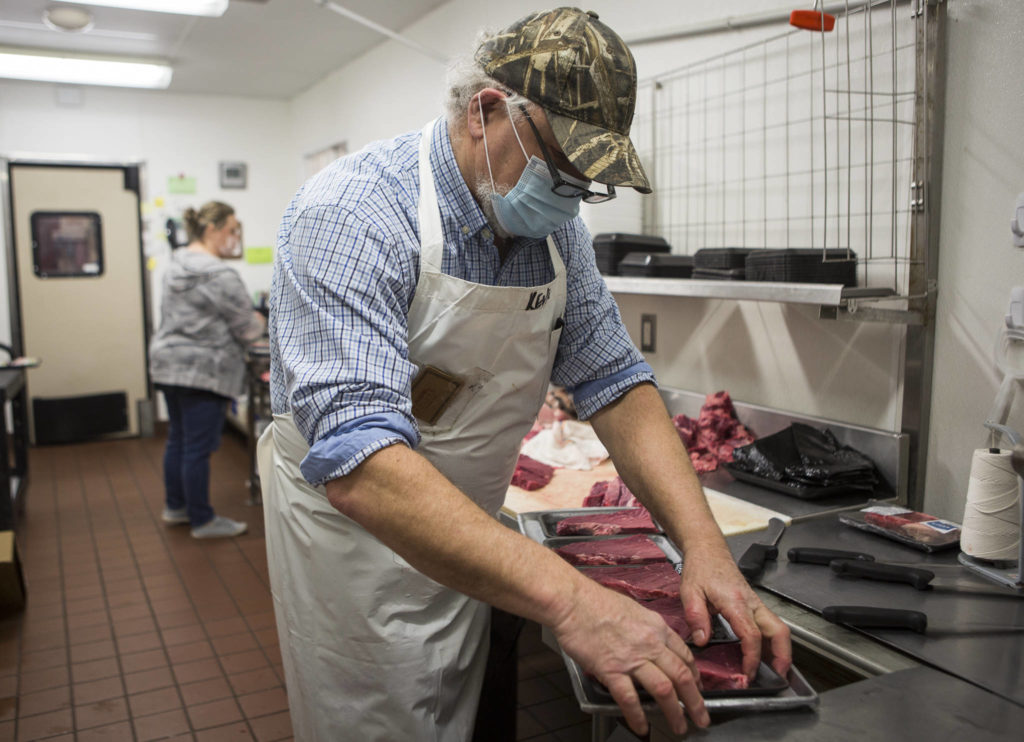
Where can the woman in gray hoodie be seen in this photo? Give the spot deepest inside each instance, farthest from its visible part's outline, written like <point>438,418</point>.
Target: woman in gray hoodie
<point>197,360</point>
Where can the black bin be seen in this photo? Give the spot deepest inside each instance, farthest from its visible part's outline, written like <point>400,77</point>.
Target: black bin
<point>611,247</point>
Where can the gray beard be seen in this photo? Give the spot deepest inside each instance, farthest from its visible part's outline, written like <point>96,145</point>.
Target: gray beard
<point>484,191</point>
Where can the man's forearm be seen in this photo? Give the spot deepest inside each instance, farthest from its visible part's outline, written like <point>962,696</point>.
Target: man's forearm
<point>405,502</point>
<point>653,462</point>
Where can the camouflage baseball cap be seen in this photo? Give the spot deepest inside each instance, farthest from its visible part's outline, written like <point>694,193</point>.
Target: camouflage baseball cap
<point>583,75</point>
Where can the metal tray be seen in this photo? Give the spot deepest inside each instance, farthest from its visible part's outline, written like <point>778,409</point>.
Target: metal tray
<point>804,492</point>
<point>671,553</point>
<point>598,702</point>
<point>540,524</point>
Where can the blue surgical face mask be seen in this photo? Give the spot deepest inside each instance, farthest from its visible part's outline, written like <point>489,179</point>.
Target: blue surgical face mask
<point>530,208</point>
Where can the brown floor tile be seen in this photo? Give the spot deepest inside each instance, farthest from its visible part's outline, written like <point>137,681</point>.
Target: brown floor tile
<point>154,701</point>
<point>95,670</point>
<point>129,612</point>
<point>8,708</point>
<point>139,643</point>
<point>147,680</point>
<point>238,732</point>
<point>183,635</point>
<point>45,725</point>
<point>264,702</point>
<point>43,628</point>
<point>235,663</point>
<point>97,690</point>
<point>254,680</point>
<point>234,643</point>
<point>7,731</point>
<point>93,651</point>
<point>161,726</point>
<point>204,691</point>
<point>143,660</point>
<point>214,713</point>
<point>177,618</point>
<point>32,661</point>
<point>183,653</point>
<point>88,605</point>
<point>226,627</point>
<point>273,728</point>
<point>120,732</point>
<point>42,679</point>
<point>9,685</point>
<point>89,634</point>
<point>190,672</point>
<point>133,626</point>
<point>267,637</point>
<point>103,712</point>
<point>40,702</point>
<point>41,643</point>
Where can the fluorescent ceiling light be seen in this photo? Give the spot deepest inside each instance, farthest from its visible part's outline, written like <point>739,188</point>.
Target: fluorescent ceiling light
<point>83,71</point>
<point>184,7</point>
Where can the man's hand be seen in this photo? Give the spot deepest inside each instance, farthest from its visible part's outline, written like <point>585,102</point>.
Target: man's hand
<point>711,581</point>
<point>618,641</point>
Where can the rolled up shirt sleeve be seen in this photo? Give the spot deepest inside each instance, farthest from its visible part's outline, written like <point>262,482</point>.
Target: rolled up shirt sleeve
<point>340,335</point>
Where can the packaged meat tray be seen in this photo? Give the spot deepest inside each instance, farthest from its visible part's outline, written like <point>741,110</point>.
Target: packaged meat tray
<point>637,548</point>
<point>908,527</point>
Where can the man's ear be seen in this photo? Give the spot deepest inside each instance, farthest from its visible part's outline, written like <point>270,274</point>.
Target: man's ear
<point>491,103</point>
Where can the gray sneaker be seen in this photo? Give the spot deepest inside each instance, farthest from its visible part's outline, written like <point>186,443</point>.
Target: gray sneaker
<point>219,527</point>
<point>175,517</point>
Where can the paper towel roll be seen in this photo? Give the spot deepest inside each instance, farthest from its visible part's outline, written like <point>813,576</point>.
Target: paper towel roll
<point>991,526</point>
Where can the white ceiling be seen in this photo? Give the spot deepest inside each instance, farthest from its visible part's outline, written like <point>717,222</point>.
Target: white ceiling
<point>258,48</point>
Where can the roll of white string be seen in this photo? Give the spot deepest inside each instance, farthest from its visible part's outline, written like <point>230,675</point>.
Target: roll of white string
<point>991,525</point>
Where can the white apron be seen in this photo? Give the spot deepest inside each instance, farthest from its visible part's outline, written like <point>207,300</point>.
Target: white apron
<point>372,649</point>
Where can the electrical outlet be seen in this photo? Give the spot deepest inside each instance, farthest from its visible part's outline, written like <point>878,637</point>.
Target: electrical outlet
<point>648,332</point>
<point>1017,223</point>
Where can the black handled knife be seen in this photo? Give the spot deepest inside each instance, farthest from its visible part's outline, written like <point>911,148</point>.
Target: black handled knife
<point>919,579</point>
<point>815,555</point>
<point>751,564</point>
<point>869,617</point>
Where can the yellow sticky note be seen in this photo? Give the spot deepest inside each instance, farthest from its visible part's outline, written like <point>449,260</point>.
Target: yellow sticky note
<point>259,255</point>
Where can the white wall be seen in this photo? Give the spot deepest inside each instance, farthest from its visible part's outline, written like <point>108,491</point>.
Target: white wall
<point>172,135</point>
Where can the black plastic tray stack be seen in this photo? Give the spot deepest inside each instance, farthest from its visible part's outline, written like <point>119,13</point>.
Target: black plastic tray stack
<point>656,265</point>
<point>721,263</point>
<point>803,266</point>
<point>611,247</point>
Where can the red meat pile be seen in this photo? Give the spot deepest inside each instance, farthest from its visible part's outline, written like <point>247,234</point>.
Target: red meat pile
<point>530,474</point>
<point>711,438</point>
<point>612,493</point>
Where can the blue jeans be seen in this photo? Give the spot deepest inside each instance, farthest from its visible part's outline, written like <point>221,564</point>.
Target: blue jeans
<point>196,421</point>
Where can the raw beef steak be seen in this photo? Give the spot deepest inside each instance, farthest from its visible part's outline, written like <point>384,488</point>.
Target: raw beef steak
<point>636,549</point>
<point>640,583</point>
<point>530,474</point>
<point>634,520</point>
<point>671,609</point>
<point>721,667</point>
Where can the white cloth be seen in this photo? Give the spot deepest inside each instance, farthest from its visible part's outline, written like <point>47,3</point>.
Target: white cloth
<point>374,650</point>
<point>568,444</point>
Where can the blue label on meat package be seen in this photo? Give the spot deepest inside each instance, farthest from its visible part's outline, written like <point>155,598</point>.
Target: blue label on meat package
<point>941,525</point>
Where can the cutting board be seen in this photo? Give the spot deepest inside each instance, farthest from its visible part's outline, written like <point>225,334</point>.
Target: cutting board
<point>568,487</point>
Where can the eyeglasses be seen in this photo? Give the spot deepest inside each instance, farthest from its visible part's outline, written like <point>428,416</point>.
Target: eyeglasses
<point>561,186</point>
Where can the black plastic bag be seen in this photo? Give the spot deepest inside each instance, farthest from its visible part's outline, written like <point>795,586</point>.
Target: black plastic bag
<point>803,455</point>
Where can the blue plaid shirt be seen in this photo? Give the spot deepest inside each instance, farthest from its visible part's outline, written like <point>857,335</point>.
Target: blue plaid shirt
<point>345,273</point>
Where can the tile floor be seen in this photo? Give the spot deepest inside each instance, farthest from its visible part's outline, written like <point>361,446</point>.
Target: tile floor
<point>134,631</point>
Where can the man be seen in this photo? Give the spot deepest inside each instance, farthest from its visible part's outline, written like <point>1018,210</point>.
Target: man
<point>426,290</point>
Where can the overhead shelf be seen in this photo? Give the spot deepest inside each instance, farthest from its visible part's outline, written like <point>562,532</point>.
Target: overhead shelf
<point>819,294</point>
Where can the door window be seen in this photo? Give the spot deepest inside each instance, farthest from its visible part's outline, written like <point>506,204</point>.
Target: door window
<point>67,244</point>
